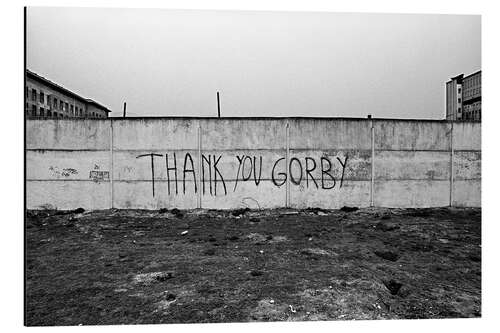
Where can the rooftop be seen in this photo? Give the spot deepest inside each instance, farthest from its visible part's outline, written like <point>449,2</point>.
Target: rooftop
<point>63,90</point>
<point>460,77</point>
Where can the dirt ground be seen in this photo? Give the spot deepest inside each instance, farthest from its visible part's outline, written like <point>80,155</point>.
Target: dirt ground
<point>142,267</point>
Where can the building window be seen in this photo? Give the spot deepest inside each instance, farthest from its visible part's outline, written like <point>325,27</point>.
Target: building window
<point>459,100</point>
<point>42,112</point>
<point>33,110</point>
<point>33,94</point>
<point>459,90</point>
<point>55,103</point>
<point>42,97</point>
<point>71,109</point>
<point>49,113</point>
<point>66,107</point>
<point>61,105</point>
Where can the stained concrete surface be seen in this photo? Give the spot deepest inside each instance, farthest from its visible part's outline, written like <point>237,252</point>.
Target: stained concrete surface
<point>411,163</point>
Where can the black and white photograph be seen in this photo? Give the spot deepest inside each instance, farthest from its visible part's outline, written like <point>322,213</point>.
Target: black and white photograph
<point>201,166</point>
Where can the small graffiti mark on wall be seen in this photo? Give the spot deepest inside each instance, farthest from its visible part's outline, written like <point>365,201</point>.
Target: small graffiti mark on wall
<point>66,172</point>
<point>97,175</point>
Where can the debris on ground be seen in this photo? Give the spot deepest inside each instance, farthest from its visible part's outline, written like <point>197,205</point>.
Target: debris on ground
<point>256,273</point>
<point>316,210</point>
<point>177,213</point>
<point>315,252</point>
<point>147,278</point>
<point>264,310</point>
<point>278,239</point>
<point>383,226</point>
<point>233,238</point>
<point>67,212</point>
<point>256,238</point>
<point>348,209</point>
<point>209,252</point>
<point>289,212</point>
<point>393,286</point>
<point>164,305</point>
<point>387,255</point>
<point>184,232</point>
<point>240,211</point>
<point>170,297</point>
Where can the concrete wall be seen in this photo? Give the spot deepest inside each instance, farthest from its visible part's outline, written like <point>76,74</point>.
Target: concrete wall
<point>266,163</point>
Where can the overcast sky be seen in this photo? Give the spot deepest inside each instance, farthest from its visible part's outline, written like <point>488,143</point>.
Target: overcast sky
<point>172,63</point>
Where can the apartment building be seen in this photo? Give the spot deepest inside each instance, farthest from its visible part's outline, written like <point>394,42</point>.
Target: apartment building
<point>46,99</point>
<point>463,97</point>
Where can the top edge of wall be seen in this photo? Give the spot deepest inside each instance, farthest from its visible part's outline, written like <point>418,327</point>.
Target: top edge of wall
<point>261,118</point>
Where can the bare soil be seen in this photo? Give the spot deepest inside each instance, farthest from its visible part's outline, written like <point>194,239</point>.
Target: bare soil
<point>143,267</point>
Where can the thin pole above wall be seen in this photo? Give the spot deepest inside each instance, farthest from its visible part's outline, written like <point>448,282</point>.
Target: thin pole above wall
<point>218,105</point>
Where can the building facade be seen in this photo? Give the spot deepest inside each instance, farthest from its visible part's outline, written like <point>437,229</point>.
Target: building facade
<point>463,97</point>
<point>46,99</point>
